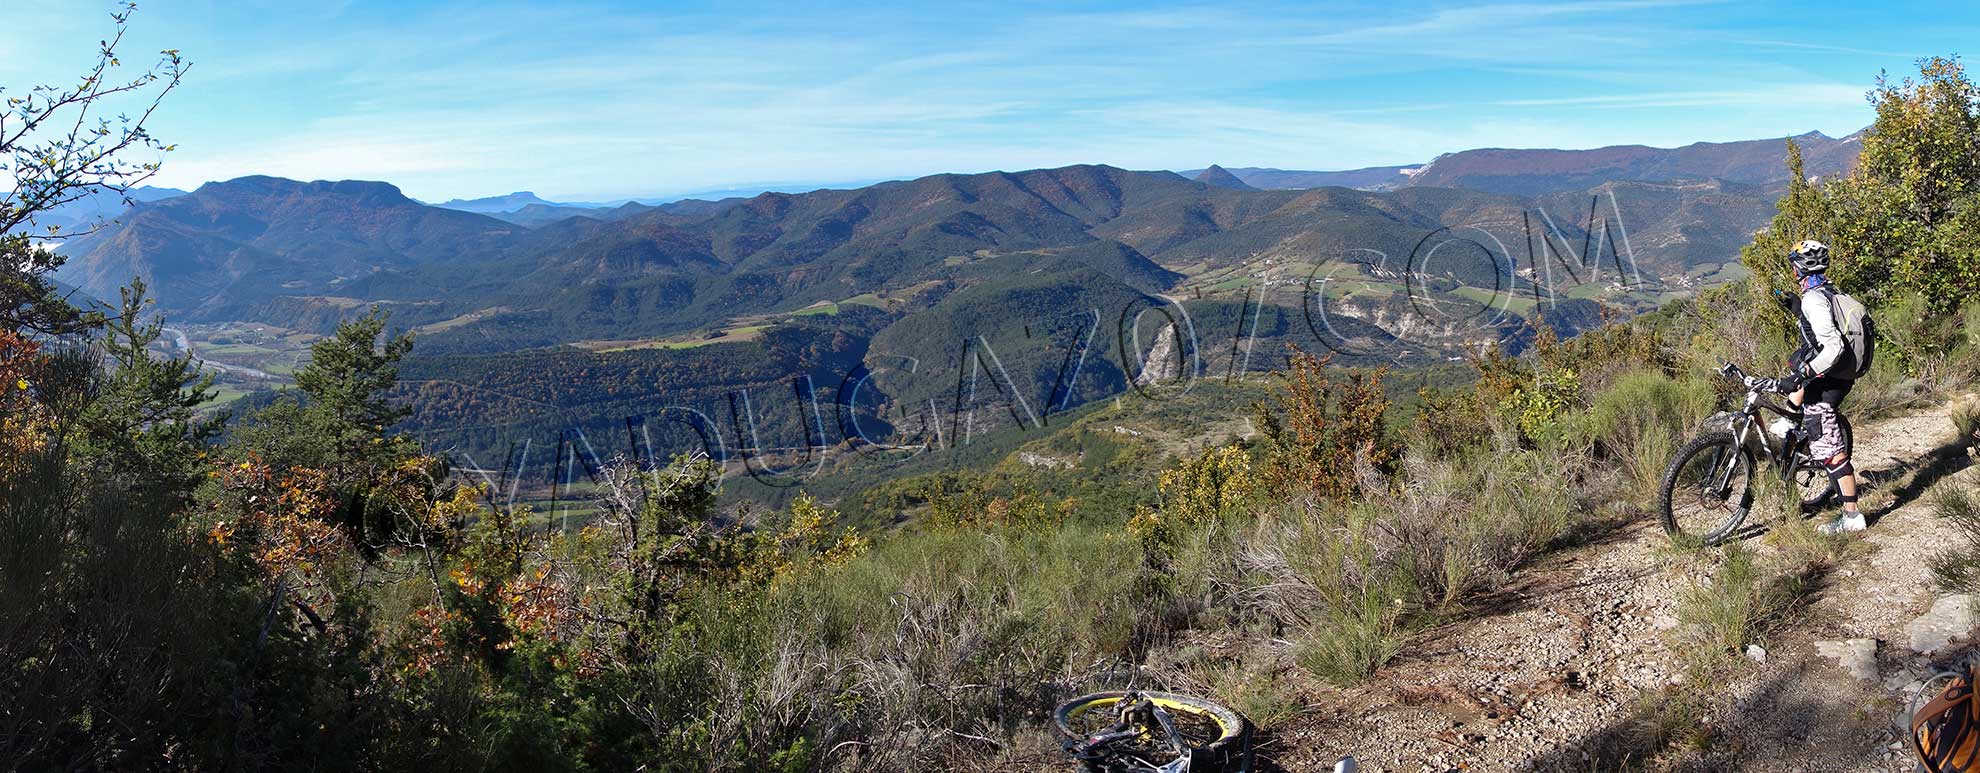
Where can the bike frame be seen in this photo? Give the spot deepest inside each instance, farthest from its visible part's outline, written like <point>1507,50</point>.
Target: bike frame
<point>1128,729</point>
<point>1746,426</point>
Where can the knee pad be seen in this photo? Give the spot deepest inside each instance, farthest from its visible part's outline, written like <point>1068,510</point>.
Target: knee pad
<point>1839,467</point>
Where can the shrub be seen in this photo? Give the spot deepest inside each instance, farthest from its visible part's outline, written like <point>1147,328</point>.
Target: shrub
<point>1639,420</point>
<point>1540,407</point>
<point>1531,396</point>
<point>1351,581</point>
<point>1447,422</point>
<point>1721,612</point>
<point>931,640</point>
<point>1356,636</point>
<point>1966,423</point>
<point>1641,404</point>
<point>1216,483</point>
<point>1918,340</point>
<point>1957,570</point>
<point>1247,672</point>
<point>1740,600</point>
<point>1742,323</point>
<point>1196,494</point>
<point>1323,429</point>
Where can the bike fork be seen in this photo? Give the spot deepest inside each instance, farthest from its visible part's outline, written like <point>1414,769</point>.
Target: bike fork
<point>1722,486</point>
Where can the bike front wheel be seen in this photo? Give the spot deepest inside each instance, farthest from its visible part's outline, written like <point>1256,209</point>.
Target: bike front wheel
<point>1707,489</point>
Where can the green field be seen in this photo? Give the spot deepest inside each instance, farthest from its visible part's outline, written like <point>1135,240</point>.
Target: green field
<point>225,395</point>
<point>273,350</point>
<point>729,336</point>
<point>464,319</point>
<point>1518,304</point>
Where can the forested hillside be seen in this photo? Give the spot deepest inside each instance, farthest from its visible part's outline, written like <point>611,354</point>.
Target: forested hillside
<point>653,271</point>
<point>1068,279</point>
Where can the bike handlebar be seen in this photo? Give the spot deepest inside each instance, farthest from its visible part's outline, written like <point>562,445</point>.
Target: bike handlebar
<point>1754,398</point>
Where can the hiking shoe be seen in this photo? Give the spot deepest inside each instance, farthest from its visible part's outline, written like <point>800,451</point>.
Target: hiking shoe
<point>1847,522</point>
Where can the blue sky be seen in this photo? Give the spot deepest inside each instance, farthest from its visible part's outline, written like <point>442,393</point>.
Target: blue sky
<point>580,100</point>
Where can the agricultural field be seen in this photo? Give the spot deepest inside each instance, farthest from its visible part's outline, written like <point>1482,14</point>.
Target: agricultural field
<point>729,335</point>
<point>242,357</point>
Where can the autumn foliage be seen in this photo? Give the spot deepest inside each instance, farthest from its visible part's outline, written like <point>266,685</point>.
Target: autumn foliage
<point>22,422</point>
<point>1325,427</point>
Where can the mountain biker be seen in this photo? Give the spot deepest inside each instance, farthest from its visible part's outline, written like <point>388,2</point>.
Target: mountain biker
<point>1810,386</point>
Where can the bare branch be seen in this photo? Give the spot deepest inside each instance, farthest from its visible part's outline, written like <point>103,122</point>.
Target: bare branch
<point>61,147</point>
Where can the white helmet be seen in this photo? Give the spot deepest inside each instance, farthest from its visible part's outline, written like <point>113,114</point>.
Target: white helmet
<point>1809,257</point>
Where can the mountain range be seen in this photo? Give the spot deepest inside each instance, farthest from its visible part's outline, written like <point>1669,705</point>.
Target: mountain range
<point>505,203</point>
<point>1539,172</point>
<point>1222,178</point>
<point>261,248</point>
<point>1374,178</point>
<point>527,208</point>
<point>268,249</point>
<point>1029,265</point>
<point>95,208</point>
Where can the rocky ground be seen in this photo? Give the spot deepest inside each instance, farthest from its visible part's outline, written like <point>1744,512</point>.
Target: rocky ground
<point>1564,670</point>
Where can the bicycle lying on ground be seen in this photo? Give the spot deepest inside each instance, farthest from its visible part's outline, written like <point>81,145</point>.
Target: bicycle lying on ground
<point>1709,487</point>
<point>1131,731</point>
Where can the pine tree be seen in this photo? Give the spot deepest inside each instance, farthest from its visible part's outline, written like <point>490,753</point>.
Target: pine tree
<point>346,380</point>
<point>145,415</point>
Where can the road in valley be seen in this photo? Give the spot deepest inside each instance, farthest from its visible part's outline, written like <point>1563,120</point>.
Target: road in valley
<point>183,344</point>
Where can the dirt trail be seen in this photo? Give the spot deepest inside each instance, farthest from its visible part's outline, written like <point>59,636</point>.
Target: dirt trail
<point>1547,674</point>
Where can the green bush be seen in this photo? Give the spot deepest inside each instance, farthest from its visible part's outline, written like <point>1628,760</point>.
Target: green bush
<point>940,628</point>
<point>1351,581</point>
<point>1639,420</point>
<point>1739,600</point>
<point>1958,570</point>
<point>1644,403</point>
<point>1357,635</point>
<point>1542,407</point>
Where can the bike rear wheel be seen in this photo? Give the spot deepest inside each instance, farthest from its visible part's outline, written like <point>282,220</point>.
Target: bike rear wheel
<point>1811,483</point>
<point>1707,489</point>
<point>1220,737</point>
<point>1810,479</point>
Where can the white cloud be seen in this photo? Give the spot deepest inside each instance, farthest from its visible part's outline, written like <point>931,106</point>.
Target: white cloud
<point>475,100</point>
<point>1786,97</point>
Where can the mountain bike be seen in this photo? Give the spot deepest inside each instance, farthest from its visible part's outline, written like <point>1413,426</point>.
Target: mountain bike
<point>1708,489</point>
<point>1131,731</point>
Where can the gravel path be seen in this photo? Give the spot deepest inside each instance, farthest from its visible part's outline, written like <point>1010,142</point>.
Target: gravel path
<point>1552,673</point>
